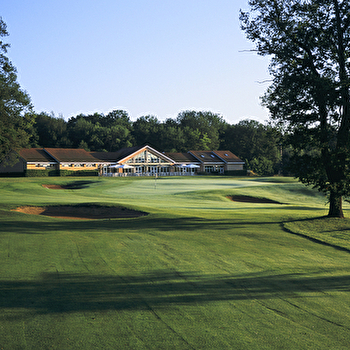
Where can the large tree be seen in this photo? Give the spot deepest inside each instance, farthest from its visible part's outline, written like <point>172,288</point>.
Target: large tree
<point>309,45</point>
<point>15,108</point>
<point>202,129</point>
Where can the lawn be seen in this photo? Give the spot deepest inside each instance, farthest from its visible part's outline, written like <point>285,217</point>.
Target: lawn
<point>200,271</point>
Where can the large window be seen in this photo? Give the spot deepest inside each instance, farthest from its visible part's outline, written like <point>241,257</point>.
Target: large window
<point>151,158</point>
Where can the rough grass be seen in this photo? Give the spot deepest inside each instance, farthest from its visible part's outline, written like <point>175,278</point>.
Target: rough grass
<point>199,272</point>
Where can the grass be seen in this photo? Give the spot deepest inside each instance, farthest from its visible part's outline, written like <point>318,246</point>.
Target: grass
<point>199,272</point>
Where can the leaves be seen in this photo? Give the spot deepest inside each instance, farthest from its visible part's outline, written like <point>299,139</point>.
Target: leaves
<point>15,108</point>
<point>308,42</point>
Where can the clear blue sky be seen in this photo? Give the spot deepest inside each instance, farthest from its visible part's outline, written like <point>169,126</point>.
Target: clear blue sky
<point>155,57</point>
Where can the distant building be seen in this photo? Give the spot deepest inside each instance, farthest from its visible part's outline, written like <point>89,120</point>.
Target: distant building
<point>132,161</point>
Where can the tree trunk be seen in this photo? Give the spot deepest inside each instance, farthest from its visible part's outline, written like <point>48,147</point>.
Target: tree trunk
<point>335,206</point>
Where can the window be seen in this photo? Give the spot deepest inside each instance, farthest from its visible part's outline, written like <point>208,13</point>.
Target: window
<point>209,169</point>
<point>151,158</point>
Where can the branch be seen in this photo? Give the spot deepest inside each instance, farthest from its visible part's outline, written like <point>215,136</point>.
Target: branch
<point>264,81</point>
<point>251,50</point>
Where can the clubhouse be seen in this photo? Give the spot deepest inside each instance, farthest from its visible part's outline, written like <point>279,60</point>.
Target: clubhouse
<point>132,161</point>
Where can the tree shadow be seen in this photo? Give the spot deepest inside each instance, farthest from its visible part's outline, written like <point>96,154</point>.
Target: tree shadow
<point>133,224</point>
<point>313,239</point>
<point>78,185</point>
<point>62,292</point>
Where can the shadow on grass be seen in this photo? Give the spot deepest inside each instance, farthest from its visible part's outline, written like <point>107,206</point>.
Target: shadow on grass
<point>78,185</point>
<point>139,224</point>
<point>314,239</point>
<point>57,293</point>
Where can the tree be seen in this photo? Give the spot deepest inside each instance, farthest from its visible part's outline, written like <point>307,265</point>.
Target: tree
<point>51,131</point>
<point>309,44</point>
<point>146,129</point>
<point>257,144</point>
<point>201,128</point>
<point>16,116</point>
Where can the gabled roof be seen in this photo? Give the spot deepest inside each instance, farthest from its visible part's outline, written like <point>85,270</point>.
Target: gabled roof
<point>206,156</point>
<point>37,155</point>
<point>126,153</point>
<point>181,157</point>
<point>71,155</point>
<point>228,157</point>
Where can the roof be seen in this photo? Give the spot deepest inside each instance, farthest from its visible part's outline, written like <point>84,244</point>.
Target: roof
<point>71,155</point>
<point>181,157</point>
<point>206,156</point>
<point>35,155</point>
<point>115,156</point>
<point>125,153</point>
<point>227,156</point>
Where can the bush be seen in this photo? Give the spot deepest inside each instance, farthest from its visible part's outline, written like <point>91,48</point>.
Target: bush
<point>46,173</point>
<point>78,173</point>
<point>261,166</point>
<point>236,173</point>
<point>40,173</point>
<point>19,174</point>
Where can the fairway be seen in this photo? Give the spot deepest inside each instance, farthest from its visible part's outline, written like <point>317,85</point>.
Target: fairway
<point>199,271</point>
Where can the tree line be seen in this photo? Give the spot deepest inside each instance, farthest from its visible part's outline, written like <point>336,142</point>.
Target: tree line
<point>259,145</point>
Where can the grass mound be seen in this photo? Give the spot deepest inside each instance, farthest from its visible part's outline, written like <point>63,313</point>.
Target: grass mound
<point>330,231</point>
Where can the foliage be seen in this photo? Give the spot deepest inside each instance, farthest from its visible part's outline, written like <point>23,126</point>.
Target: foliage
<point>255,143</point>
<point>98,132</point>
<point>78,173</point>
<point>191,130</point>
<point>308,42</point>
<point>147,129</point>
<point>261,166</point>
<point>40,173</point>
<point>201,129</point>
<point>15,108</point>
<point>50,131</point>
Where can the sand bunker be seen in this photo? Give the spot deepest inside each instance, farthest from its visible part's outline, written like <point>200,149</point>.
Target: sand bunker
<point>249,199</point>
<point>82,212</point>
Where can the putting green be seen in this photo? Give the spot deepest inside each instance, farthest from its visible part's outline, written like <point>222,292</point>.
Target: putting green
<point>199,272</point>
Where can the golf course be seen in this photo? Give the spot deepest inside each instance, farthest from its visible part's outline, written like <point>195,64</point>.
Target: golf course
<point>196,262</point>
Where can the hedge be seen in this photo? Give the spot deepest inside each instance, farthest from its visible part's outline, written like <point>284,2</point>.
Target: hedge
<point>236,173</point>
<point>79,173</point>
<point>46,173</point>
<point>19,174</point>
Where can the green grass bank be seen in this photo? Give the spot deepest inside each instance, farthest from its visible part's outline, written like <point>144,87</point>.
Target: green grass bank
<point>200,271</point>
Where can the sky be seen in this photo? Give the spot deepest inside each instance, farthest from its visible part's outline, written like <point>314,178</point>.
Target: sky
<point>147,57</point>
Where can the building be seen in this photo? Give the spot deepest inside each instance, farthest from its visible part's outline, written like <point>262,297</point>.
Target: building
<point>132,161</point>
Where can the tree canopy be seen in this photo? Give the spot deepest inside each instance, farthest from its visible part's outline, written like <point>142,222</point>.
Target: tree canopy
<point>309,45</point>
<point>15,106</point>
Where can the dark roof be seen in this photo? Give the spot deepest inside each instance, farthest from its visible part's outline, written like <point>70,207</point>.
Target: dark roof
<point>115,156</point>
<point>181,157</point>
<point>123,154</point>
<point>206,156</point>
<point>228,156</point>
<point>35,155</point>
<point>71,155</point>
